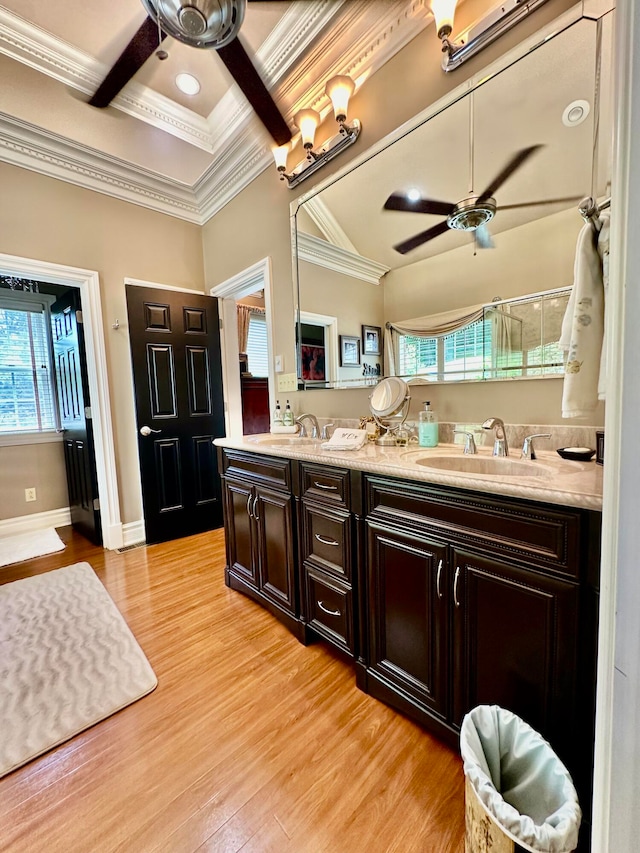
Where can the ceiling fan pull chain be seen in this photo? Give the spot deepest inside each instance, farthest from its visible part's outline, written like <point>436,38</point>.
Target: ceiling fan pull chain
<point>161,53</point>
<point>471,143</point>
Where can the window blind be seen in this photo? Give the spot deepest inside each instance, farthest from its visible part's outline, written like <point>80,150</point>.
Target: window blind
<point>26,392</point>
<point>257,346</point>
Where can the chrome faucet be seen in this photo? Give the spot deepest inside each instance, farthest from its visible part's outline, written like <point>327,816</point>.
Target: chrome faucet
<point>500,445</point>
<point>469,442</point>
<point>325,434</point>
<point>315,426</point>
<point>528,451</point>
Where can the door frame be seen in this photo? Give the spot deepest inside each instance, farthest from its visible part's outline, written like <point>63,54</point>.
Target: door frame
<point>255,277</point>
<point>88,282</point>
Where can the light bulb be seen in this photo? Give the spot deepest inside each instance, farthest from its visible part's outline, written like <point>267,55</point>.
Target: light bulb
<point>443,12</point>
<point>413,194</point>
<point>280,156</point>
<point>340,89</point>
<point>307,122</point>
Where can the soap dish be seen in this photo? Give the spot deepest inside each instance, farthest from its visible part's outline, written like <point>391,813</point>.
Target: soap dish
<point>580,454</point>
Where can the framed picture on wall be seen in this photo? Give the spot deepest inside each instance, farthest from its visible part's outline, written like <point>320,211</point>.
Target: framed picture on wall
<point>371,340</point>
<point>349,351</point>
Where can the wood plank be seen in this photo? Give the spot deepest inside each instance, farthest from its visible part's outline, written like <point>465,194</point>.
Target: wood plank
<point>251,742</point>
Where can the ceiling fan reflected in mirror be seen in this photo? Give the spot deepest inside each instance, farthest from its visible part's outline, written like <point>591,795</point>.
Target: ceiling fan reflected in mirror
<point>471,214</point>
<point>207,24</point>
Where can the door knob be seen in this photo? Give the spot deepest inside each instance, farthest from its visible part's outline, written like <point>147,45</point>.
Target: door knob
<point>145,430</point>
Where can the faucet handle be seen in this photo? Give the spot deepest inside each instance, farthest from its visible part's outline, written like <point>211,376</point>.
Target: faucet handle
<point>324,435</point>
<point>527,447</point>
<point>469,442</point>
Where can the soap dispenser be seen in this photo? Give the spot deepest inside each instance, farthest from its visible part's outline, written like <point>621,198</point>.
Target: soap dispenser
<point>288,418</point>
<point>427,427</point>
<point>277,415</point>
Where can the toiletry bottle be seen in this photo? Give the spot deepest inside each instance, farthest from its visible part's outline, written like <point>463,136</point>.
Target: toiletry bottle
<point>288,416</point>
<point>277,415</point>
<point>427,427</point>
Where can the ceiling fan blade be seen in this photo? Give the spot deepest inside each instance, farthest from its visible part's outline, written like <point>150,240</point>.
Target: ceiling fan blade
<point>570,200</point>
<point>132,58</point>
<point>516,161</point>
<point>421,238</point>
<point>399,201</point>
<point>483,237</point>
<point>243,71</point>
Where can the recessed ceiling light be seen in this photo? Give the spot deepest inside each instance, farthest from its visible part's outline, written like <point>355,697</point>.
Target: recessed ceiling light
<point>188,84</point>
<point>413,194</point>
<point>575,113</point>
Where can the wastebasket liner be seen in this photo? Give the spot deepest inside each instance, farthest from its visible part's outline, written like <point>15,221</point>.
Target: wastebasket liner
<point>520,780</point>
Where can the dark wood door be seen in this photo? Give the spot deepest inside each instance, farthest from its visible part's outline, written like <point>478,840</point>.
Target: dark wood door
<point>273,514</point>
<point>515,644</point>
<point>408,604</point>
<point>175,351</point>
<point>75,415</point>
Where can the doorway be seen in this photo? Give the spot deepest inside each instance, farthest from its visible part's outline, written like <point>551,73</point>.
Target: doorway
<point>251,280</point>
<point>88,284</point>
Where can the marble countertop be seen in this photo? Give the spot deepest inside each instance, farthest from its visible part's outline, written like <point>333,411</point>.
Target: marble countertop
<point>548,479</point>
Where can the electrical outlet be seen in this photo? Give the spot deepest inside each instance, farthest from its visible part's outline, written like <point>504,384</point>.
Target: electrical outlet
<point>29,494</point>
<point>287,382</point>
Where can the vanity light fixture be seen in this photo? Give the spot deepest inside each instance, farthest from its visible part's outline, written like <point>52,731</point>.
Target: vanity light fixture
<point>498,20</point>
<point>339,89</point>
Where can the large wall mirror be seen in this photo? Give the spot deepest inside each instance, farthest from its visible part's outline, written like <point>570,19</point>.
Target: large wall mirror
<point>352,283</point>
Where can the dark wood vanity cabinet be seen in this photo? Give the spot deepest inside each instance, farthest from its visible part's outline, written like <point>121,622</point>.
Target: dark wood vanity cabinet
<point>260,532</point>
<point>479,600</point>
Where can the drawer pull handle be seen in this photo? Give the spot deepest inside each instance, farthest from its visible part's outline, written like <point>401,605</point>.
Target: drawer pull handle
<point>328,610</point>
<point>324,540</point>
<point>324,486</point>
<point>249,513</point>
<point>255,509</point>
<point>438,578</point>
<point>455,587</point>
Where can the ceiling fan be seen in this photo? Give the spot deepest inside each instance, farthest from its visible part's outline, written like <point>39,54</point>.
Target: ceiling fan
<point>204,24</point>
<point>470,214</point>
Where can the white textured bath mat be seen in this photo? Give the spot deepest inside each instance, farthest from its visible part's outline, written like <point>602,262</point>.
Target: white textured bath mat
<point>26,546</point>
<point>67,661</point>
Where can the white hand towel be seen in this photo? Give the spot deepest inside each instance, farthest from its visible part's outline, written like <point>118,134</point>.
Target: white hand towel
<point>345,439</point>
<point>583,329</point>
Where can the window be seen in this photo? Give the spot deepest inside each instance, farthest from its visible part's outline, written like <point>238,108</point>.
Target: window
<point>257,346</point>
<point>456,356</point>
<point>27,402</point>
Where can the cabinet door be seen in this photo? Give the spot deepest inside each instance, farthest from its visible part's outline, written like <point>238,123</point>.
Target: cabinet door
<point>273,512</point>
<point>239,498</point>
<point>515,643</point>
<point>408,615</point>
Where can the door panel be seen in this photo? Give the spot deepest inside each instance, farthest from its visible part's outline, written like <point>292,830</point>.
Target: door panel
<point>75,415</point>
<point>273,515</point>
<point>175,351</point>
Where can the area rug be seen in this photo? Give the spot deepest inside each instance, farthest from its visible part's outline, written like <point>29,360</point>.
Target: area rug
<point>26,546</point>
<point>67,661</point>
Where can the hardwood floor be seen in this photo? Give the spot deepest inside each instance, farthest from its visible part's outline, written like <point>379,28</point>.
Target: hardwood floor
<point>251,742</point>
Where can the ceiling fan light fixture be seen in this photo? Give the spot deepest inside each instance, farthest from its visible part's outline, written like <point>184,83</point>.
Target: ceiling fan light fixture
<point>187,83</point>
<point>199,23</point>
<point>413,194</point>
<point>469,214</point>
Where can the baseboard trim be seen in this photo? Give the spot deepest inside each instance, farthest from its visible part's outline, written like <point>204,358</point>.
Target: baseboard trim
<point>133,532</point>
<point>35,521</point>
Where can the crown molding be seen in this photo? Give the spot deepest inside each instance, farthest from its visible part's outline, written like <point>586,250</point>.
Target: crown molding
<point>25,145</point>
<point>323,254</point>
<point>319,38</point>
<point>328,224</point>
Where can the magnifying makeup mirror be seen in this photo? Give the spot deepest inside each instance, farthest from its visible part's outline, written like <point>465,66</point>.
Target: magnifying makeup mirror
<point>389,405</point>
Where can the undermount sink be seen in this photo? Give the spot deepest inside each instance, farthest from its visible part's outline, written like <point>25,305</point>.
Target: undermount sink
<point>291,441</point>
<point>493,465</point>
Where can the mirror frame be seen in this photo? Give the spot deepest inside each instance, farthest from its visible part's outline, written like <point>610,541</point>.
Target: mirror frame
<point>551,30</point>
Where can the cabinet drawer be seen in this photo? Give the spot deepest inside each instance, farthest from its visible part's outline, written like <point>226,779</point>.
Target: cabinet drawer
<point>329,608</point>
<point>328,485</point>
<point>260,470</point>
<point>544,535</point>
<point>326,538</point>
